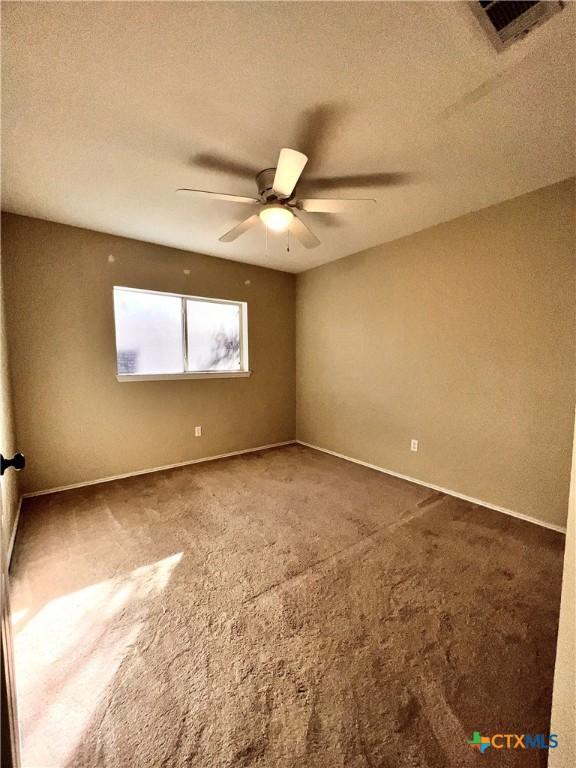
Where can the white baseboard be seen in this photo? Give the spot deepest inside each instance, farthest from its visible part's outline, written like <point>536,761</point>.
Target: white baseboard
<point>462,496</point>
<point>13,534</point>
<point>471,499</point>
<point>155,469</point>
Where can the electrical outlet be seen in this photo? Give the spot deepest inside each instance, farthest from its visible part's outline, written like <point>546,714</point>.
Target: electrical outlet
<point>413,445</point>
<point>197,431</point>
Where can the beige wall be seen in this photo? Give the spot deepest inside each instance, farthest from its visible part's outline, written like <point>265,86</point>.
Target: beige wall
<point>461,336</point>
<point>75,421</point>
<point>564,699</point>
<point>8,483</point>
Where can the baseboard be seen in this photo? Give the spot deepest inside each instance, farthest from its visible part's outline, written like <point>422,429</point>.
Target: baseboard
<point>155,469</point>
<point>448,491</point>
<point>462,496</point>
<point>13,534</point>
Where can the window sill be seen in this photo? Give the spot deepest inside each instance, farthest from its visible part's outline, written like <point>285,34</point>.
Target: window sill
<point>179,376</point>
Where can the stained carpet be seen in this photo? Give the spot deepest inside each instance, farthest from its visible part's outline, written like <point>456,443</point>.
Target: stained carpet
<point>281,609</point>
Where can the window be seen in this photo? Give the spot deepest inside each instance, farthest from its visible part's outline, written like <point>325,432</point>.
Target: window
<point>164,335</point>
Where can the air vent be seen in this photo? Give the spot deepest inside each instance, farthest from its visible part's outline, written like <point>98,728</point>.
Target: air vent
<point>506,21</point>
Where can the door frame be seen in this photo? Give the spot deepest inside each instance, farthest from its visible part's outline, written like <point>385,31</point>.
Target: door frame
<point>9,708</point>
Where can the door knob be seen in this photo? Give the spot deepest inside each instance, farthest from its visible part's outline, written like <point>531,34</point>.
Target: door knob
<point>17,462</point>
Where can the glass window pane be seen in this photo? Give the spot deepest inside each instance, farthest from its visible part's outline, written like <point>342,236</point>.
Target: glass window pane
<point>148,332</point>
<point>213,336</point>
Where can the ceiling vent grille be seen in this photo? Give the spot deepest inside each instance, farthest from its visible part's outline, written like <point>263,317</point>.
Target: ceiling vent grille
<point>506,21</point>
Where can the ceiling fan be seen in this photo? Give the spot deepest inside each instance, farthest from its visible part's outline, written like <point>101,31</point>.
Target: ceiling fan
<point>278,201</point>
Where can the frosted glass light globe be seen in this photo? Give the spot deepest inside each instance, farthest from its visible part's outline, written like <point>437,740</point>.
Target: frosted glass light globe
<point>276,217</point>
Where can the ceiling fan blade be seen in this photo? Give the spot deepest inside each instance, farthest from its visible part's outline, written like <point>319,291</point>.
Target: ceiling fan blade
<point>239,229</point>
<point>327,205</point>
<point>303,233</point>
<point>219,196</point>
<point>290,165</point>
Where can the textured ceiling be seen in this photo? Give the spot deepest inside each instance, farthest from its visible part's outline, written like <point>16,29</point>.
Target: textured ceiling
<point>107,108</point>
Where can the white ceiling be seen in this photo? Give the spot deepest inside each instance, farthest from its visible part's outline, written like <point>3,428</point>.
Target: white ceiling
<point>107,106</point>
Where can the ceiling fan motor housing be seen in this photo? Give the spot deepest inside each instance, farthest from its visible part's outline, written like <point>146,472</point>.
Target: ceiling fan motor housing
<point>265,181</point>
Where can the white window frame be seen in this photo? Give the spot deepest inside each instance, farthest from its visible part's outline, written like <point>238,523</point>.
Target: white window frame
<point>244,368</point>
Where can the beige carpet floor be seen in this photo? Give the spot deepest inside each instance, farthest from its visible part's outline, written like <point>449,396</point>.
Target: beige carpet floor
<point>282,608</point>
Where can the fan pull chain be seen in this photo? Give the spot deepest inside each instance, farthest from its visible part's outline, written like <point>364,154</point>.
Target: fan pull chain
<point>266,247</point>
<point>288,241</point>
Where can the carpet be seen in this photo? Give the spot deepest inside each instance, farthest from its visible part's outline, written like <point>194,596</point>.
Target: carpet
<point>283,608</point>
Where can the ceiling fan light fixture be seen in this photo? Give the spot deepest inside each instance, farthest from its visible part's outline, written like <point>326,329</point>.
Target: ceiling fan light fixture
<point>276,217</point>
